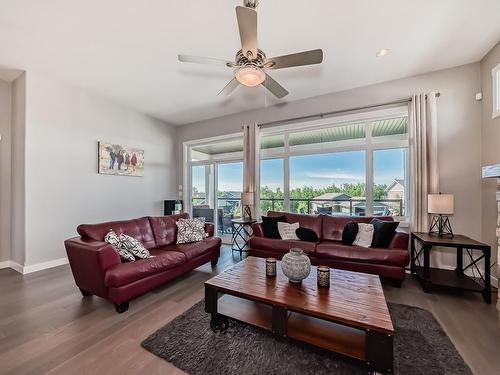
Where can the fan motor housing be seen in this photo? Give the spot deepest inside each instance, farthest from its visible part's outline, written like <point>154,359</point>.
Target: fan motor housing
<point>242,60</point>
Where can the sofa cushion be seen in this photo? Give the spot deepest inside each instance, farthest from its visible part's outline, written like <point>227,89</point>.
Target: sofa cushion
<point>287,231</point>
<point>384,232</point>
<point>350,232</point>
<point>114,240</point>
<point>190,230</point>
<point>281,246</point>
<point>140,229</point>
<point>306,234</point>
<point>126,273</point>
<point>313,222</point>
<point>334,225</point>
<point>364,237</point>
<point>337,250</point>
<point>270,226</point>
<point>194,249</point>
<point>165,229</point>
<point>133,246</point>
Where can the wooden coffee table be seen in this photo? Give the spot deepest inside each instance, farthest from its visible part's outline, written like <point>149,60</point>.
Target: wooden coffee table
<point>350,317</point>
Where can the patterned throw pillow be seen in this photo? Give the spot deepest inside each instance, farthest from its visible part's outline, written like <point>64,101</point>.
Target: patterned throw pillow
<point>133,246</point>
<point>287,231</point>
<point>190,230</point>
<point>113,239</point>
<point>365,235</point>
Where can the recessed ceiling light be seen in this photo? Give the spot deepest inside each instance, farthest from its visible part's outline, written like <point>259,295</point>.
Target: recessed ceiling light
<point>383,52</point>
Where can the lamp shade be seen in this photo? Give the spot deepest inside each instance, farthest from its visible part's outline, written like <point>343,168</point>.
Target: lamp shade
<point>247,199</point>
<point>440,204</point>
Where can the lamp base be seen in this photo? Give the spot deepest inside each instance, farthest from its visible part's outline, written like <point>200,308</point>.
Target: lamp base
<point>441,226</point>
<point>247,213</point>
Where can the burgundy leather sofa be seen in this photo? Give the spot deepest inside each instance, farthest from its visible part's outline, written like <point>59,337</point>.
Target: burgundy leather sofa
<point>98,269</point>
<point>388,263</point>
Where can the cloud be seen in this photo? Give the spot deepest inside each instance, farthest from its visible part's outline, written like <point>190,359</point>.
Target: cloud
<point>337,174</point>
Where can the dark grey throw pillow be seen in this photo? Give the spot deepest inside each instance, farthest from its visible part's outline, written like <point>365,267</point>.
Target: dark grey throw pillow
<point>270,226</point>
<point>306,234</point>
<point>349,233</point>
<point>383,232</point>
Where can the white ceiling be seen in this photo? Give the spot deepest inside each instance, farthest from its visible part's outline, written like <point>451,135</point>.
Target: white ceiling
<point>127,49</point>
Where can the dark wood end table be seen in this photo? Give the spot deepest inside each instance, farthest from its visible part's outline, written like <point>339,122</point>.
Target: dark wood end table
<point>456,279</point>
<point>242,231</point>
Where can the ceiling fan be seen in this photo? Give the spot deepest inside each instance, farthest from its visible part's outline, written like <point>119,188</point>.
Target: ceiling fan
<point>251,63</point>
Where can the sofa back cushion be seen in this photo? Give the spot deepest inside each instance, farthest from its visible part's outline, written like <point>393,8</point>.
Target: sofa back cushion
<point>312,222</point>
<point>140,229</point>
<point>334,225</point>
<point>165,229</point>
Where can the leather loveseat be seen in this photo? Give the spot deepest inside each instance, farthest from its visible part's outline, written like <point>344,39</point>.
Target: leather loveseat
<point>98,269</point>
<point>388,263</point>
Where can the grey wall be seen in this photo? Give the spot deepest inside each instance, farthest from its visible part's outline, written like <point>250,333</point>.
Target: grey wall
<point>18,213</point>
<point>5,168</point>
<point>490,148</point>
<point>459,133</point>
<point>63,189</point>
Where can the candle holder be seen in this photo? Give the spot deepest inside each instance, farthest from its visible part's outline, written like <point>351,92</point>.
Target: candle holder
<point>323,276</point>
<point>270,267</point>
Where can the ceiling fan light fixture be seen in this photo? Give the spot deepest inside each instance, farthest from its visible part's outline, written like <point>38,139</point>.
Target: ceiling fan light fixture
<point>250,76</point>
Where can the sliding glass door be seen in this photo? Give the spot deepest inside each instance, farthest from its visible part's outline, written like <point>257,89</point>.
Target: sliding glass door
<point>216,182</point>
<point>229,187</point>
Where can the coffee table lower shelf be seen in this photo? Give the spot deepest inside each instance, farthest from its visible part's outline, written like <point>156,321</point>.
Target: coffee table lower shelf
<point>344,340</point>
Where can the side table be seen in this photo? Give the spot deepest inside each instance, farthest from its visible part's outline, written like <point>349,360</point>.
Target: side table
<point>242,231</point>
<point>457,278</point>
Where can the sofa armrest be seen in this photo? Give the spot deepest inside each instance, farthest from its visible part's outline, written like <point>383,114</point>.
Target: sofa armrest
<point>257,230</point>
<point>400,241</point>
<point>209,229</point>
<point>89,260</point>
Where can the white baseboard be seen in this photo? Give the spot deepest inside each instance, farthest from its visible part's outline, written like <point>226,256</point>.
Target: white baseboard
<point>33,267</point>
<point>10,264</point>
<point>16,267</point>
<point>44,265</point>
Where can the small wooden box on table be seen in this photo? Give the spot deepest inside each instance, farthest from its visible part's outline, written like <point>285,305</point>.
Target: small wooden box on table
<point>350,317</point>
<point>456,279</point>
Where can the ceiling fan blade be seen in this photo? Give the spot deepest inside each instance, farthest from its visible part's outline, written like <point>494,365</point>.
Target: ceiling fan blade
<point>247,23</point>
<point>205,60</point>
<point>273,86</point>
<point>314,56</point>
<point>229,88</point>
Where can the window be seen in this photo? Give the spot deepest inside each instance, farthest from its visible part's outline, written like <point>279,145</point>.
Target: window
<point>496,90</point>
<point>271,185</point>
<point>332,183</point>
<point>389,182</point>
<point>353,165</point>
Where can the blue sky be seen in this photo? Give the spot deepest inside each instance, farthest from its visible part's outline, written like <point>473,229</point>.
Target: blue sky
<point>319,170</point>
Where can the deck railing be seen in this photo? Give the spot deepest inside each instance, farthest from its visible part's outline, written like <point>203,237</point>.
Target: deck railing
<point>348,207</point>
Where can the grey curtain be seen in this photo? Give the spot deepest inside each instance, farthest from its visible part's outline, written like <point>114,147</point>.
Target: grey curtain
<point>251,161</point>
<point>424,168</point>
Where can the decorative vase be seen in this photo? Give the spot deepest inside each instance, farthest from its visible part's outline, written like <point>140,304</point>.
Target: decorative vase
<point>296,265</point>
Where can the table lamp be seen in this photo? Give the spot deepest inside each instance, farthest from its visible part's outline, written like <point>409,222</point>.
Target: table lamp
<point>247,200</point>
<point>440,206</point>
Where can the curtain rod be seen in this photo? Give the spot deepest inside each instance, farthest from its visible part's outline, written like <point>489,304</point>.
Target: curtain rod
<point>333,113</point>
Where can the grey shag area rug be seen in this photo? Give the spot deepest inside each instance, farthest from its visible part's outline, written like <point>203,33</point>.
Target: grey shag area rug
<point>420,347</point>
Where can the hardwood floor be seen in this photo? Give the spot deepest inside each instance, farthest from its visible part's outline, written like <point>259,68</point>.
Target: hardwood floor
<point>46,327</point>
